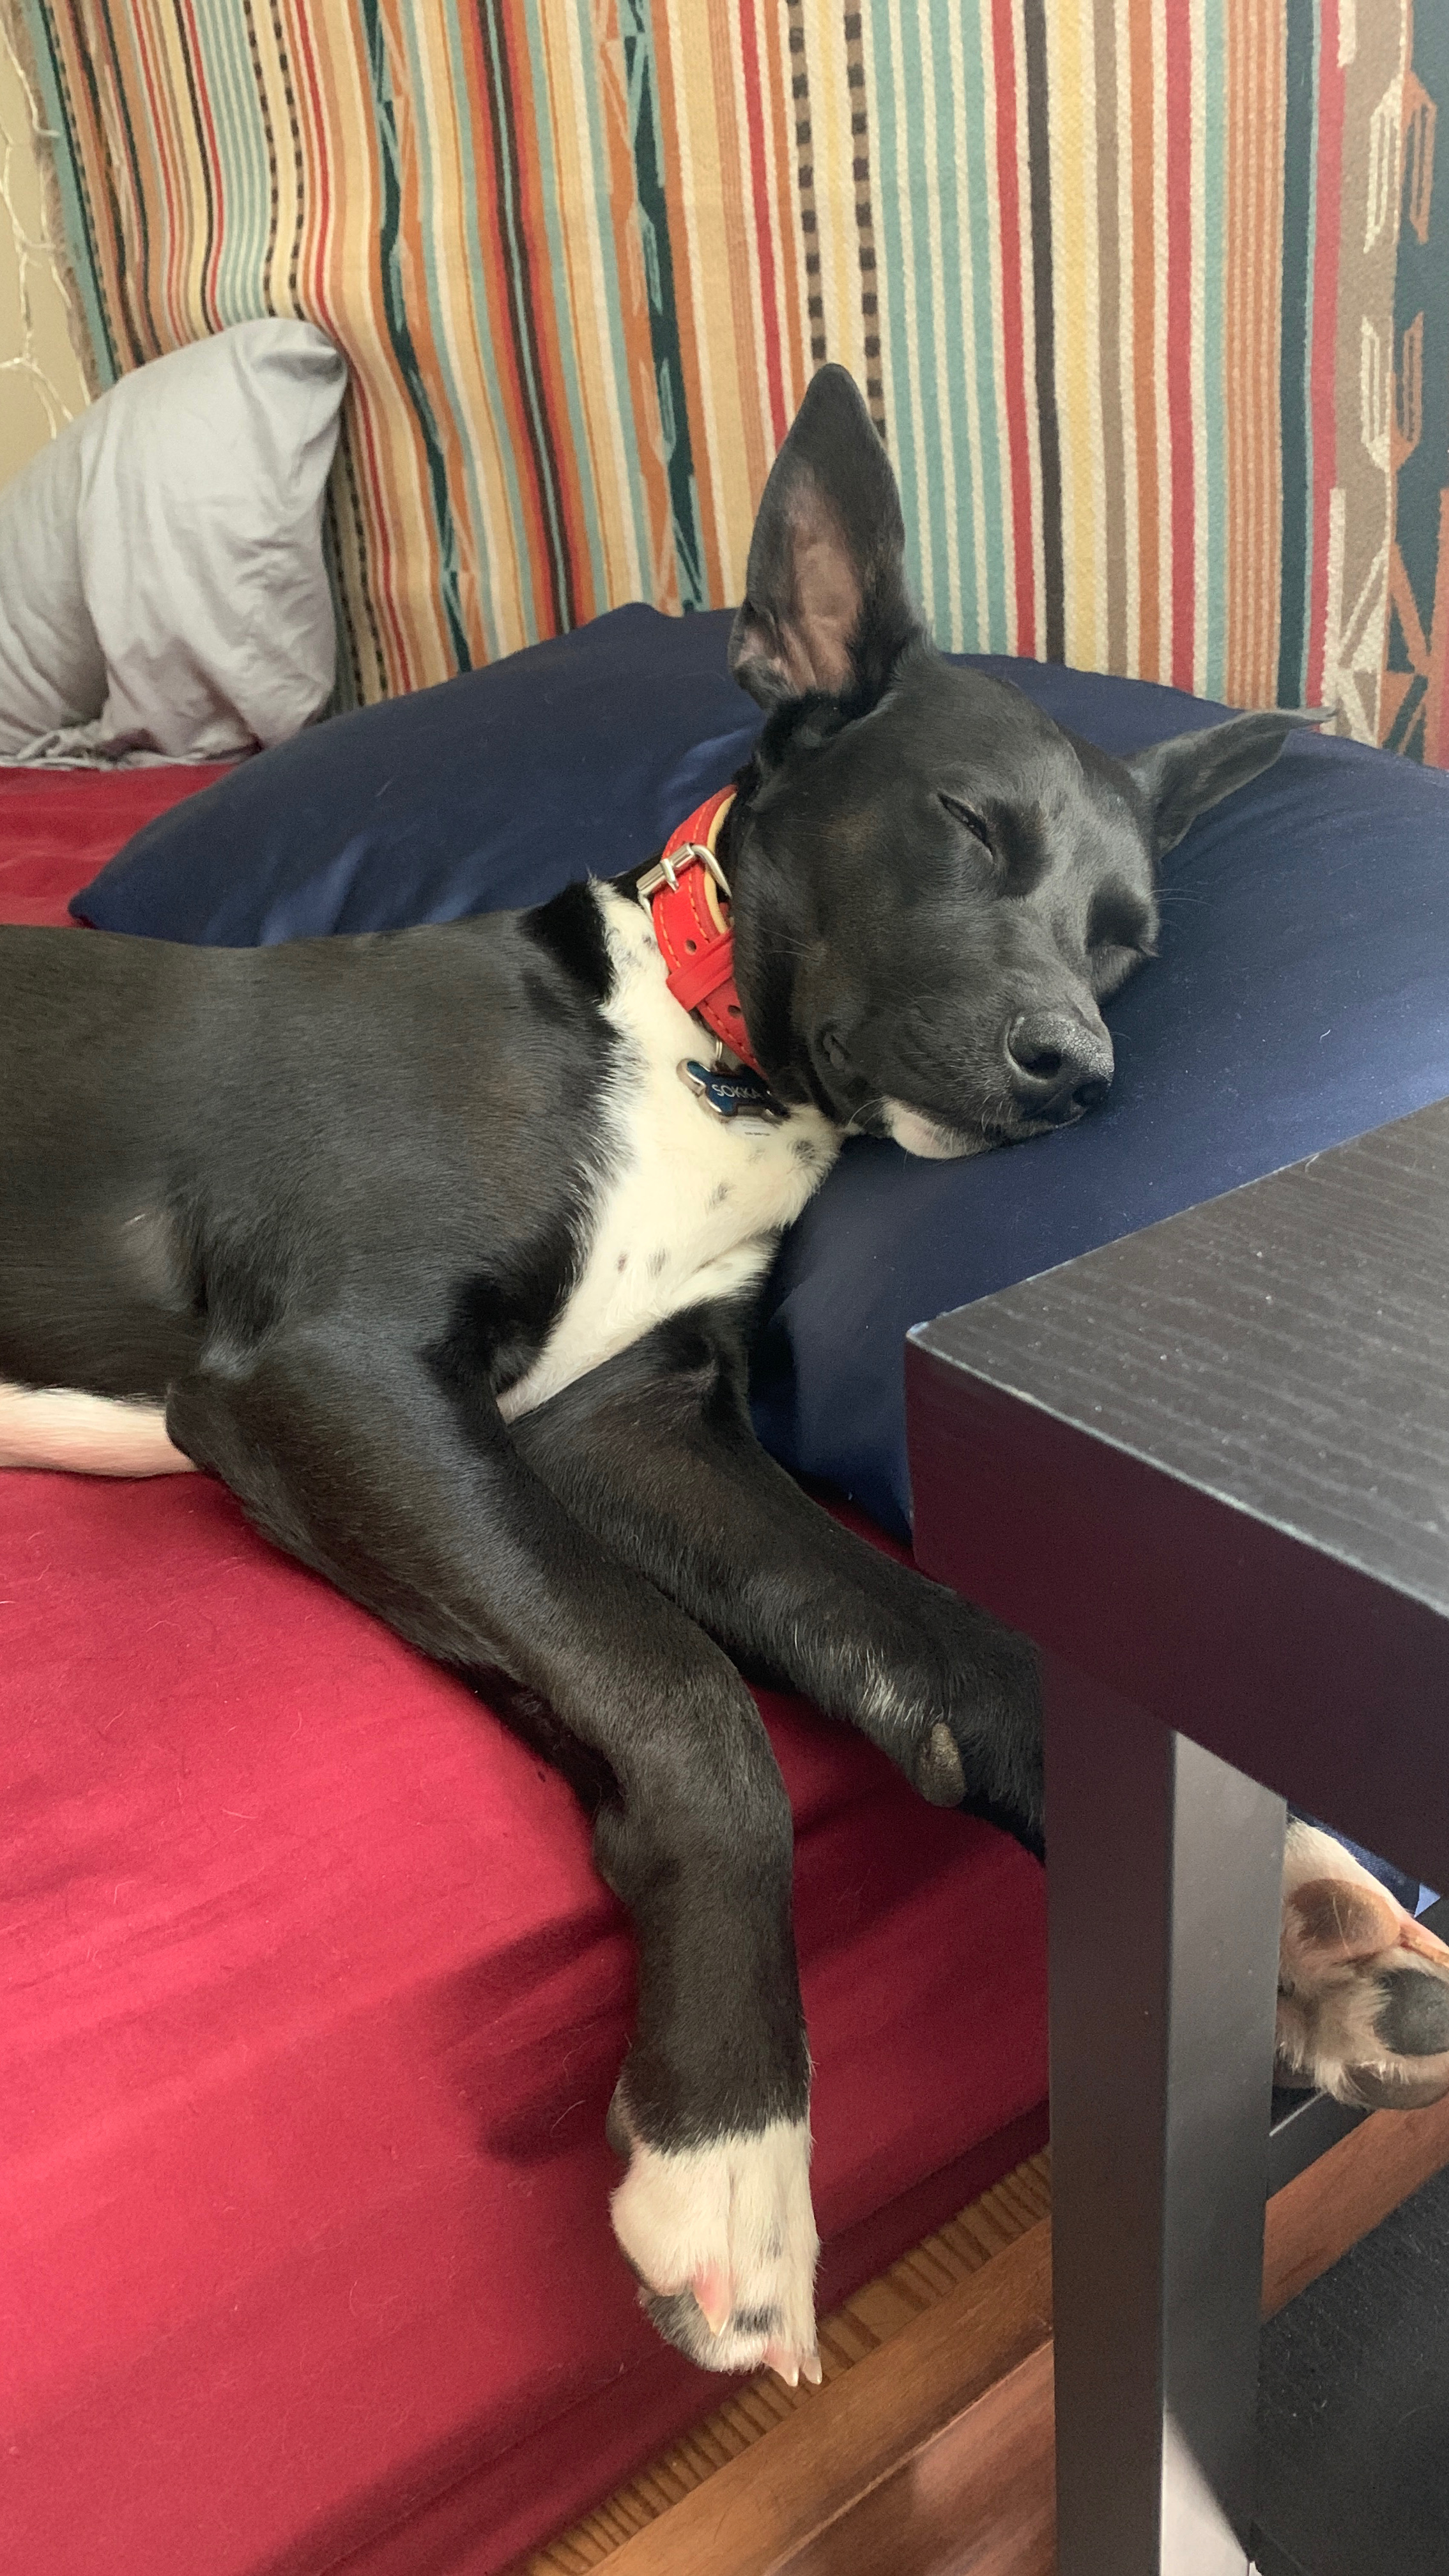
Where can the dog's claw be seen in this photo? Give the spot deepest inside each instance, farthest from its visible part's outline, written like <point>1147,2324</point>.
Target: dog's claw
<point>714,2298</point>
<point>939,1773</point>
<point>616,2124</point>
<point>793,2366</point>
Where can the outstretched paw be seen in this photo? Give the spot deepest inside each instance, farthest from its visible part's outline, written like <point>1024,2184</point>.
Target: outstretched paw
<point>722,2238</point>
<point>986,1752</point>
<point>1363,1990</point>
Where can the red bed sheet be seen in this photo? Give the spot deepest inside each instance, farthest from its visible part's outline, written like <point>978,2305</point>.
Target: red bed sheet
<point>58,827</point>
<point>310,2008</point>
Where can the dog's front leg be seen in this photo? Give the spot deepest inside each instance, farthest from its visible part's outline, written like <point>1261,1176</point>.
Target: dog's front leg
<point>411,1498</point>
<point>655,1451</point>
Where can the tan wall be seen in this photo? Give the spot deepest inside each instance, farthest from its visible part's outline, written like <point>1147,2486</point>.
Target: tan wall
<point>41,385</point>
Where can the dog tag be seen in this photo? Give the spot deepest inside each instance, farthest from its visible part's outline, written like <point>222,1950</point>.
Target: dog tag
<point>740,1094</point>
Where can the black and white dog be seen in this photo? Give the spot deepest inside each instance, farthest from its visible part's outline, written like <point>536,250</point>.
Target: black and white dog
<point>442,1249</point>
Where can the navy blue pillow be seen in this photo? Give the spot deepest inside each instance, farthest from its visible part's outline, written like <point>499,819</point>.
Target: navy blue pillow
<point>1302,995</point>
<point>575,758</point>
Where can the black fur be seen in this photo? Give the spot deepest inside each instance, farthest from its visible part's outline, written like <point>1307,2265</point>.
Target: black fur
<point>326,1202</point>
<point>572,932</point>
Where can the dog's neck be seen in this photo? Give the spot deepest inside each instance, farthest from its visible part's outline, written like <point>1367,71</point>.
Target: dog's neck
<point>732,896</point>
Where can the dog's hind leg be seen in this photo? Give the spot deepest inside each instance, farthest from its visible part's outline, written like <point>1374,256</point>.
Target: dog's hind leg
<point>655,1451</point>
<point>1363,1990</point>
<point>397,1480</point>
<point>85,1435</point>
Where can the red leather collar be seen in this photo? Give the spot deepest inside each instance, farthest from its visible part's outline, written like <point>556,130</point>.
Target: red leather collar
<point>688,897</point>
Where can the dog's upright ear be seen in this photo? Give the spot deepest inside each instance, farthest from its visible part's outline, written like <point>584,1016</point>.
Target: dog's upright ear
<point>1182,777</point>
<point>826,604</point>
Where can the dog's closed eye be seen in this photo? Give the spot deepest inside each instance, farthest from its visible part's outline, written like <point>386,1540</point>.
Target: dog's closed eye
<point>966,815</point>
<point>1111,968</point>
<point>1119,939</point>
<point>1112,961</point>
<point>1115,921</point>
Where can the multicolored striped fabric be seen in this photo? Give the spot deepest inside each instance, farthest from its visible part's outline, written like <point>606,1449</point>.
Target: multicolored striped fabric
<point>1151,299</point>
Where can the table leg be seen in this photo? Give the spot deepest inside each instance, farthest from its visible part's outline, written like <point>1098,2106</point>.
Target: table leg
<point>1163,1893</point>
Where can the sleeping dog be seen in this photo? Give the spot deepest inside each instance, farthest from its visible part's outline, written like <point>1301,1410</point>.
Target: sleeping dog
<point>442,1249</point>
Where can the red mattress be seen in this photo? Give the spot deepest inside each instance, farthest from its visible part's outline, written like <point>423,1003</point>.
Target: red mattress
<point>58,826</point>
<point>312,2006</point>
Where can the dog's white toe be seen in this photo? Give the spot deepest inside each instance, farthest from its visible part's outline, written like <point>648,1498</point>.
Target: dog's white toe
<point>723,2239</point>
<point>1363,1990</point>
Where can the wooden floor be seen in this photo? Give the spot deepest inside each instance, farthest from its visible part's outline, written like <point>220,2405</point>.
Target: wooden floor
<point>927,2451</point>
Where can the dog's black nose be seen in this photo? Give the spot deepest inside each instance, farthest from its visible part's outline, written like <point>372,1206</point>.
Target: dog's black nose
<point>1058,1066</point>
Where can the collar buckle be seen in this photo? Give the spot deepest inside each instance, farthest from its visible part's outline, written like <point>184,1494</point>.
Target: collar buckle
<point>687,896</point>
<point>664,870</point>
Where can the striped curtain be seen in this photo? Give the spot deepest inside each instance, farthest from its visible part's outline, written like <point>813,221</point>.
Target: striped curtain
<point>1150,299</point>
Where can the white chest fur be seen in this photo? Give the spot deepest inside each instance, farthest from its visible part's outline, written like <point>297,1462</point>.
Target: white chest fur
<point>690,1205</point>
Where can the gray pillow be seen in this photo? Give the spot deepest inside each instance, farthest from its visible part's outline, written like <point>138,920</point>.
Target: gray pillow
<point>162,588</point>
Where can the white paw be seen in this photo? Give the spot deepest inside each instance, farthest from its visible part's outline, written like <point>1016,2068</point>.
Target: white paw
<point>1363,1990</point>
<point>723,2238</point>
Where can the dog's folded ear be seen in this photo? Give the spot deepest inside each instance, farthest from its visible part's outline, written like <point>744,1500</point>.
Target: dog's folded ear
<point>826,604</point>
<point>1182,777</point>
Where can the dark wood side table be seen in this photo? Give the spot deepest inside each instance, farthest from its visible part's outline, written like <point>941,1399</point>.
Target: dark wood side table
<point>1207,1468</point>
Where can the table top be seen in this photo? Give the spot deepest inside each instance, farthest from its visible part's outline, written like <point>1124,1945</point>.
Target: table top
<point>1210,1464</point>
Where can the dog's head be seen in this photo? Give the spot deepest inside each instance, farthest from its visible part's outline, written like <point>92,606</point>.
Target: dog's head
<point>936,887</point>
